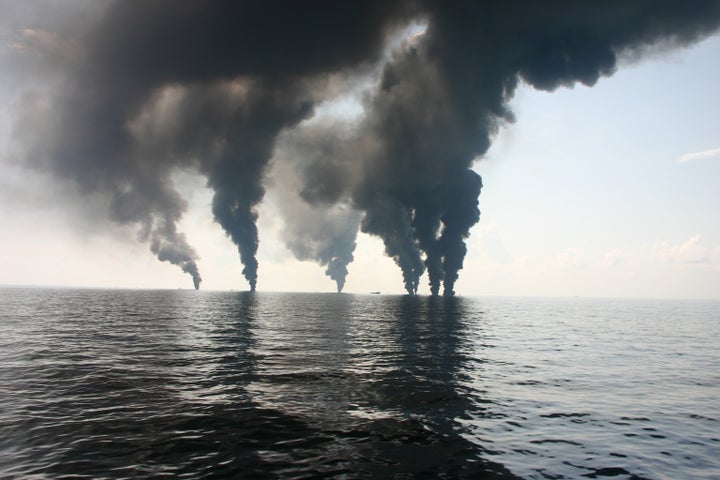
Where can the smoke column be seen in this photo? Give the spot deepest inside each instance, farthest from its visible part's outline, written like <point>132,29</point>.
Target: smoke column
<point>132,91</point>
<point>319,226</point>
<point>443,94</point>
<point>442,97</point>
<point>156,85</point>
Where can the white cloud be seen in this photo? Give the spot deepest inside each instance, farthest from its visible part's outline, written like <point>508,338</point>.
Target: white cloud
<point>615,257</point>
<point>572,258</point>
<point>689,252</point>
<point>713,152</point>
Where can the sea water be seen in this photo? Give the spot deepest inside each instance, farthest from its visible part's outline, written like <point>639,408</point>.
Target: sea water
<point>187,384</point>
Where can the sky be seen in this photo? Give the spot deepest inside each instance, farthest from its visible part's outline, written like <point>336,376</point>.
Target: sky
<point>607,190</point>
<point>588,192</point>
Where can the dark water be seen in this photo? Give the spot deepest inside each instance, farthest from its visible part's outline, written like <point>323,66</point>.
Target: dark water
<point>153,384</point>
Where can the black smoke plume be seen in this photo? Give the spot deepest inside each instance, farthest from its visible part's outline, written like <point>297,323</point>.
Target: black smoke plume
<point>160,84</point>
<point>136,90</point>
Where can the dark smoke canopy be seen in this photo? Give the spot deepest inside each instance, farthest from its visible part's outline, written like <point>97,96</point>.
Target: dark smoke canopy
<point>133,91</point>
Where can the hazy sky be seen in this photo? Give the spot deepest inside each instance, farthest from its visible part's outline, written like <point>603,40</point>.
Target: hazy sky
<point>610,190</point>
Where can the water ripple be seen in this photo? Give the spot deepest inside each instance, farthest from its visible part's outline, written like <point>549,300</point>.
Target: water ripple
<point>153,384</point>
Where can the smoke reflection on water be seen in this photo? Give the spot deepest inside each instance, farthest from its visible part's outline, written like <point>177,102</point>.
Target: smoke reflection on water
<point>375,377</point>
<point>127,384</point>
<point>134,384</point>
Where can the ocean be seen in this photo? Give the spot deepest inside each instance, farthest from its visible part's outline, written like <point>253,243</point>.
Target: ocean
<point>194,384</point>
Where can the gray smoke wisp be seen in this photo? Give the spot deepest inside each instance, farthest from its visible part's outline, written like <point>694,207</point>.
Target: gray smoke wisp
<point>133,91</point>
<point>319,226</point>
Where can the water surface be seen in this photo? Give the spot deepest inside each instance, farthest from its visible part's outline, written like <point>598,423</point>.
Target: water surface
<point>139,384</point>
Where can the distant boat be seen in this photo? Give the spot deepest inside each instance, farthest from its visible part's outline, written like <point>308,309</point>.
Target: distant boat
<point>374,293</point>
